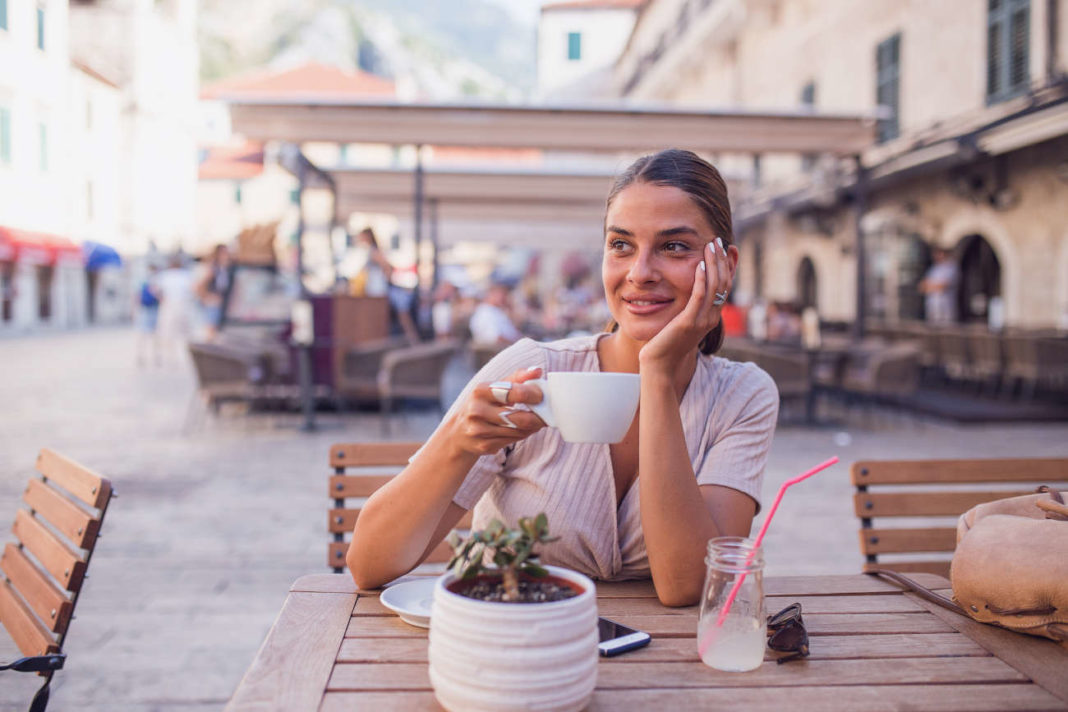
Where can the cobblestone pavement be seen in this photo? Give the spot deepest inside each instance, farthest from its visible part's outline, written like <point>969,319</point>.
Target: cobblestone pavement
<point>212,525</point>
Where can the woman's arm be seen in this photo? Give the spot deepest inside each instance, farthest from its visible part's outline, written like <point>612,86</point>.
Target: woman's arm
<point>678,515</point>
<point>407,517</point>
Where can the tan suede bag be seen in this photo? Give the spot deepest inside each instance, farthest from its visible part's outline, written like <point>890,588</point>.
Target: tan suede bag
<point>1010,567</point>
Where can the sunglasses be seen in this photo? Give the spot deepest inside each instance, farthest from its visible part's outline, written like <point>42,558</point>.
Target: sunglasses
<point>788,633</point>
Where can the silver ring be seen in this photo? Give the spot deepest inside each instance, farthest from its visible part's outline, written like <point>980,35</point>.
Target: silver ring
<point>500,390</point>
<point>503,415</point>
<point>721,298</point>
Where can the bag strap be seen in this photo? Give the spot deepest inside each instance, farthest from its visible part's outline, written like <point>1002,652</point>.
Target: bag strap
<point>922,591</point>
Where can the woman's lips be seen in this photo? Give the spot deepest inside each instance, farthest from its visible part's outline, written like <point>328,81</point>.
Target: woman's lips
<point>649,305</point>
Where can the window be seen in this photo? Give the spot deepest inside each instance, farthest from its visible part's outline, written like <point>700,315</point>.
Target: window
<point>3,14</point>
<point>1008,29</point>
<point>574,46</point>
<point>43,133</point>
<point>237,193</point>
<point>5,135</point>
<point>808,101</point>
<point>887,81</point>
<point>40,27</point>
<point>343,154</point>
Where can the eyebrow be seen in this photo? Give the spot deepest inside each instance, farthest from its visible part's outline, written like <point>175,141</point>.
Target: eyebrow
<point>669,232</point>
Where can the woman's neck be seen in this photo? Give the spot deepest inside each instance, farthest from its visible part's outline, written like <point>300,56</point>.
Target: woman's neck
<point>617,353</point>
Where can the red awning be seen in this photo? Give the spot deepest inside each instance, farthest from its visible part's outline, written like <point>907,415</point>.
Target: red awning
<point>36,247</point>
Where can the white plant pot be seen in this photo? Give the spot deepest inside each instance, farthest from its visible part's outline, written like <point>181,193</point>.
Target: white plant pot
<point>488,656</point>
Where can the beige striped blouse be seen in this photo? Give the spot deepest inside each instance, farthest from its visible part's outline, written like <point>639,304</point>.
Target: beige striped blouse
<point>728,413</point>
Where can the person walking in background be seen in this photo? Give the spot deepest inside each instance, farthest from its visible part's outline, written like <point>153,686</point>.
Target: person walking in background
<point>211,289</point>
<point>441,313</point>
<point>174,287</point>
<point>490,324</point>
<point>939,286</point>
<point>148,319</point>
<point>376,280</point>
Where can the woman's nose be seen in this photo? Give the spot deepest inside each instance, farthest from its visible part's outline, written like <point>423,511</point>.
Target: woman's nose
<point>642,269</point>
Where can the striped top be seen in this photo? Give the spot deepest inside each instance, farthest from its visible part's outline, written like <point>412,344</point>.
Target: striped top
<point>728,413</point>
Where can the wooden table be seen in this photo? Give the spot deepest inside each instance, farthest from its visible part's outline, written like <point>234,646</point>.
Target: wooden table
<point>873,648</point>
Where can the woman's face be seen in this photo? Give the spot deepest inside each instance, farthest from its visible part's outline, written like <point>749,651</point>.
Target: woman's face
<point>654,238</point>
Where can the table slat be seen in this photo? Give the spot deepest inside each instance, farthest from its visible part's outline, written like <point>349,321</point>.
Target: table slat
<point>1040,659</point>
<point>292,667</point>
<point>816,623</point>
<point>414,650</point>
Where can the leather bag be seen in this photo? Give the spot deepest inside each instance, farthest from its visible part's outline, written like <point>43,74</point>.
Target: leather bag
<point>1010,567</point>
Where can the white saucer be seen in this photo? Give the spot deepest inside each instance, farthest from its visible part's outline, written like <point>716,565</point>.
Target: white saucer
<point>411,600</point>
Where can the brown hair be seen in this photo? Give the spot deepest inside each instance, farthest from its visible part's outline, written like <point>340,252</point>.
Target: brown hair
<point>700,180</point>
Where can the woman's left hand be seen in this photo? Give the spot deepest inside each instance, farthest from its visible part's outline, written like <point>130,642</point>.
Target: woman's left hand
<point>683,334</point>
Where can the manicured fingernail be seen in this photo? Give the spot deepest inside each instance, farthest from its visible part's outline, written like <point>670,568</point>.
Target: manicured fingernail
<point>701,266</point>
<point>719,241</point>
<point>533,368</point>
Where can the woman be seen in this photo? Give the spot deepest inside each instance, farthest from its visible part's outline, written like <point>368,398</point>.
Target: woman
<point>703,427</point>
<point>211,289</point>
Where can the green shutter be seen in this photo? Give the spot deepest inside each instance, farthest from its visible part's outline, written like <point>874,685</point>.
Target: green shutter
<point>40,27</point>
<point>887,86</point>
<point>3,14</point>
<point>1008,49</point>
<point>574,46</point>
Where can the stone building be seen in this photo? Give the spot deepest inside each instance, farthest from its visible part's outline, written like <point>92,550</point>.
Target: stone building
<point>970,154</point>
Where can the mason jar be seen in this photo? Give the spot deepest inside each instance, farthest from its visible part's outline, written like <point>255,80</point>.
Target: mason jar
<point>731,628</point>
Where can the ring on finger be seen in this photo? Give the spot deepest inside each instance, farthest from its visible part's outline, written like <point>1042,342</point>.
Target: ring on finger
<point>503,415</point>
<point>721,298</point>
<point>500,390</point>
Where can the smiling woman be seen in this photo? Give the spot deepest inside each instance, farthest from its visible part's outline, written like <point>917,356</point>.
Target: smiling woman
<point>689,468</point>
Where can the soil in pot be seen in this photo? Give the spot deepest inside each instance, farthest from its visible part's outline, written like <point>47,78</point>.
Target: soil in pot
<point>531,590</point>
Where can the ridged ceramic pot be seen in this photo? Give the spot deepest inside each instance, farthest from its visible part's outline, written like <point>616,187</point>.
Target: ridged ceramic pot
<point>488,656</point>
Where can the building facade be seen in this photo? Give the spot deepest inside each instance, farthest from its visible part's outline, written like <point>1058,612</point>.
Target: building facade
<point>970,151</point>
<point>578,42</point>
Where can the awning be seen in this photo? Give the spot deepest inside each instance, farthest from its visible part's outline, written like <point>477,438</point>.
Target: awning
<point>99,255</point>
<point>36,248</point>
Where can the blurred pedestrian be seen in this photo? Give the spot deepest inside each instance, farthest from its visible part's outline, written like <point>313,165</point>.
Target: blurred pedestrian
<point>210,289</point>
<point>148,319</point>
<point>939,287</point>
<point>174,287</point>
<point>441,313</point>
<point>491,324</point>
<point>784,323</point>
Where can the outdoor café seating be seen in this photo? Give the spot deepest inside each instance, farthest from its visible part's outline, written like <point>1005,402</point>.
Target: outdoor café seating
<point>926,496</point>
<point>360,469</point>
<point>45,567</point>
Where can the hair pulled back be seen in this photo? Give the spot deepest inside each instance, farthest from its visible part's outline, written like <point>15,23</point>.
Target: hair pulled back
<point>700,180</point>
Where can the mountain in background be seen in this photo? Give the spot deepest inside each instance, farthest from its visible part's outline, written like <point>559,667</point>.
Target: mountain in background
<point>433,50</point>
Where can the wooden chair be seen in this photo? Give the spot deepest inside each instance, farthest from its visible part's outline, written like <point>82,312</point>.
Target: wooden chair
<point>359,470</point>
<point>45,568</point>
<point>909,490</point>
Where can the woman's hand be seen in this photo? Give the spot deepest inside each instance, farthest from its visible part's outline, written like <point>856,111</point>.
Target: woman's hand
<point>683,334</point>
<point>483,425</point>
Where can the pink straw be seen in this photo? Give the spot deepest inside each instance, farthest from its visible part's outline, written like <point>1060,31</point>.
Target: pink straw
<point>756,545</point>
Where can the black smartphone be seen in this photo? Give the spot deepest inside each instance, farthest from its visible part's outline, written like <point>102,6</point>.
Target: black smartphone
<point>616,638</point>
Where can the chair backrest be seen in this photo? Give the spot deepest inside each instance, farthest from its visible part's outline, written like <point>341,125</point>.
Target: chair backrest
<point>55,539</point>
<point>931,491</point>
<point>358,470</point>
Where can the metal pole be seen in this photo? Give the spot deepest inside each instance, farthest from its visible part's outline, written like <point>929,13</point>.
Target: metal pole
<point>860,200</point>
<point>417,207</point>
<point>434,242</point>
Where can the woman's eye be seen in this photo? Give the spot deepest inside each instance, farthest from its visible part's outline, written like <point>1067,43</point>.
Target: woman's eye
<point>617,245</point>
<point>676,246</point>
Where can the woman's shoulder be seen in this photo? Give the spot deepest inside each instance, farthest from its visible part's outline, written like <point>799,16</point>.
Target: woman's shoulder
<point>740,377</point>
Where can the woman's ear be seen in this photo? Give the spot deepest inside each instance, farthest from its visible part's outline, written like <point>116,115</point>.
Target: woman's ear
<point>732,259</point>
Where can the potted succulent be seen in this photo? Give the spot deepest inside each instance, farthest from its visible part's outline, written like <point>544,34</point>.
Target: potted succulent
<point>515,635</point>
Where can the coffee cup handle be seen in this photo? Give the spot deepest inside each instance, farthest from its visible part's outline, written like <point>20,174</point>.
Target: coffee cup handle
<point>544,409</point>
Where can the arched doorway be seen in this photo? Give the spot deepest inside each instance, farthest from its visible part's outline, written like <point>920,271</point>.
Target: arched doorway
<point>980,278</point>
<point>807,292</point>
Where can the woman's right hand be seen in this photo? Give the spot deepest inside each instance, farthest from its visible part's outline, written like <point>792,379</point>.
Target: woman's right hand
<point>480,426</point>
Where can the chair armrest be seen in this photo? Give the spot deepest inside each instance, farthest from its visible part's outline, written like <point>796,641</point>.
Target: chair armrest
<point>415,370</point>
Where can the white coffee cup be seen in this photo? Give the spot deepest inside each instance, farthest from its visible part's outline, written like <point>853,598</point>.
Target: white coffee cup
<point>588,406</point>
